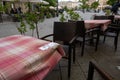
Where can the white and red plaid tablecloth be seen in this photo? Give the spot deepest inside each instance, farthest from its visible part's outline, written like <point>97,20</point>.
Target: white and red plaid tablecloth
<point>27,58</point>
<point>92,23</point>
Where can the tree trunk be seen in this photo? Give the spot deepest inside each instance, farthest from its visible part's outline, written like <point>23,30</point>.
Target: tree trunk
<point>37,31</point>
<point>32,33</point>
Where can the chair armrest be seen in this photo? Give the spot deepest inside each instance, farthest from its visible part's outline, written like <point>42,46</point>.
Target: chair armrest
<point>103,74</point>
<point>115,25</point>
<point>73,39</point>
<point>93,29</point>
<point>44,37</point>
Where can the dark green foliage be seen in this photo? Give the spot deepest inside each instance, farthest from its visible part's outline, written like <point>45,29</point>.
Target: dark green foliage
<point>32,18</point>
<point>70,15</point>
<point>62,18</point>
<point>51,2</point>
<point>22,28</point>
<point>83,4</point>
<point>111,2</point>
<point>73,15</point>
<point>95,4</point>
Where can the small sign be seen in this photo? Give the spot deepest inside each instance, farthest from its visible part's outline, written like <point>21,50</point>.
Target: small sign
<point>49,45</point>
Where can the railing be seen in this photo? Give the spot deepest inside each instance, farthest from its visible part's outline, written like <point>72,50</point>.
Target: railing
<point>103,74</point>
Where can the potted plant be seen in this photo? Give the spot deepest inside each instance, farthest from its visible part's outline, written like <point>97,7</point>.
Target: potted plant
<point>73,15</point>
<point>1,10</point>
<point>107,12</point>
<point>32,18</point>
<point>94,5</point>
<point>70,15</point>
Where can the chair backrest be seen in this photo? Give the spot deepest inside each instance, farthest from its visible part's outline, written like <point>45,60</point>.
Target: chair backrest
<point>80,30</point>
<point>104,17</point>
<point>100,17</point>
<point>64,31</point>
<point>111,17</point>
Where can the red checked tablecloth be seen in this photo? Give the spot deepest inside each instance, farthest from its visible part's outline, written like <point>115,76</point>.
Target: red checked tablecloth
<point>27,58</point>
<point>117,17</point>
<point>92,23</point>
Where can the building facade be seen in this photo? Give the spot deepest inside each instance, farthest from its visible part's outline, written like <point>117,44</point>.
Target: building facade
<point>75,3</point>
<point>69,4</point>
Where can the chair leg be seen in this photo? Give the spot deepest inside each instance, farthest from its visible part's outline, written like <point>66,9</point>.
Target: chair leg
<point>74,53</point>
<point>69,62</point>
<point>83,45</point>
<point>116,42</point>
<point>80,43</point>
<point>97,42</point>
<point>60,71</point>
<point>90,71</point>
<point>104,39</point>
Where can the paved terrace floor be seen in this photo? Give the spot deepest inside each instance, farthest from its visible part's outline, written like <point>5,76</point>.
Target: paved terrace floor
<point>80,68</point>
<point>105,55</point>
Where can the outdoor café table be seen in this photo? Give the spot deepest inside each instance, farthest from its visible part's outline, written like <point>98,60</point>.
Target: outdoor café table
<point>92,23</point>
<point>27,58</point>
<point>117,17</point>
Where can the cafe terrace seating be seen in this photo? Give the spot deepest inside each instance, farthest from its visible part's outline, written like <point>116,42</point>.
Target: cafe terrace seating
<point>117,19</point>
<point>86,35</point>
<point>65,34</point>
<point>104,17</point>
<point>112,30</point>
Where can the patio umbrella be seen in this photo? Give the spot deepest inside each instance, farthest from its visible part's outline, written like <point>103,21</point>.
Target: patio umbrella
<point>51,7</point>
<point>34,1</point>
<point>44,2</point>
<point>8,0</point>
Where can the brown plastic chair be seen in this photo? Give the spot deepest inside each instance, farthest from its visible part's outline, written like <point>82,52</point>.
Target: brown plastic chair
<point>65,32</point>
<point>112,18</point>
<point>100,17</point>
<point>104,17</point>
<point>84,35</point>
<point>112,31</point>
